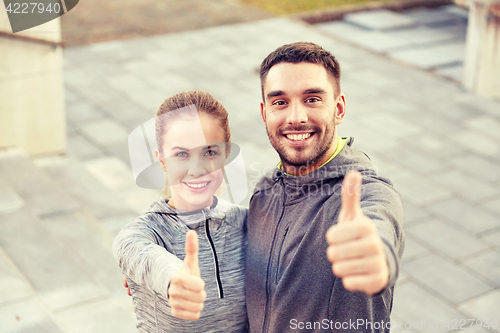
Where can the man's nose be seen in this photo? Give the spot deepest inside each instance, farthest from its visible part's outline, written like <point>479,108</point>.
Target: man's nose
<point>297,113</point>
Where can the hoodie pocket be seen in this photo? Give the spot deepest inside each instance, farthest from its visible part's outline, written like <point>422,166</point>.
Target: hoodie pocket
<point>279,272</point>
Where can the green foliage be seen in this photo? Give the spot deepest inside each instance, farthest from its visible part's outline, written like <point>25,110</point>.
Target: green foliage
<point>284,7</point>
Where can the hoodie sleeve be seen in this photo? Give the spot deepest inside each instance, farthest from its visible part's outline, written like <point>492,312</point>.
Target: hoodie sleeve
<point>383,205</point>
<point>141,258</point>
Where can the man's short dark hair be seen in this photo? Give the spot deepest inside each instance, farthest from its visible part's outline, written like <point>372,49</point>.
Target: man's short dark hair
<point>301,52</point>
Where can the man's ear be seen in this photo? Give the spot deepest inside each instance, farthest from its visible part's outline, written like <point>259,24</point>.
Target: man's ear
<point>340,108</point>
<point>263,110</point>
<point>157,154</point>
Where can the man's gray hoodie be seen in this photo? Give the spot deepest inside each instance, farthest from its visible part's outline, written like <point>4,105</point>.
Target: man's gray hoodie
<point>290,286</point>
<point>151,249</point>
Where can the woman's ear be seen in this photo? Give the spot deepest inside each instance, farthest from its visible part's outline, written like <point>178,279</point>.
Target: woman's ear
<point>158,157</point>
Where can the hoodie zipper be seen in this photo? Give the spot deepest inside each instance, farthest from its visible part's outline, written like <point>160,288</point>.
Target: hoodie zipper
<point>279,256</point>
<point>269,282</point>
<point>217,271</point>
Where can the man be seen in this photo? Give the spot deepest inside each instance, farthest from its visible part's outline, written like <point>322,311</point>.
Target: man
<point>289,281</point>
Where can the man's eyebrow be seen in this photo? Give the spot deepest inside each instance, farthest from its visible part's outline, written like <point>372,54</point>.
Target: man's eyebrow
<point>275,93</point>
<point>314,91</point>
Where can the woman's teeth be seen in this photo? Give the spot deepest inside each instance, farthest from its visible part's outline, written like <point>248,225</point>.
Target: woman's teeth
<point>199,185</point>
<point>298,137</point>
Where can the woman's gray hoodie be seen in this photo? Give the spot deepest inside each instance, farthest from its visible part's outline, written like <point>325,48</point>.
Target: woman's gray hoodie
<point>150,250</point>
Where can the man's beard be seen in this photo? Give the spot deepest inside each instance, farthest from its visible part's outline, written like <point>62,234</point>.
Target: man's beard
<point>288,155</point>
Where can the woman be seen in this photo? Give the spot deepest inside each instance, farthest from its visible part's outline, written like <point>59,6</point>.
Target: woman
<point>159,254</point>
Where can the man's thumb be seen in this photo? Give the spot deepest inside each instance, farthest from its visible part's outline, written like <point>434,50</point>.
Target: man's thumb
<point>351,190</point>
<point>191,259</point>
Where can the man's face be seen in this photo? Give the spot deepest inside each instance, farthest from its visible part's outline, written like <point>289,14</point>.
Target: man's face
<point>301,112</point>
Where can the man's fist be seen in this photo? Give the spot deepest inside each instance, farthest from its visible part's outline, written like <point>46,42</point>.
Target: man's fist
<point>355,248</point>
<point>187,290</point>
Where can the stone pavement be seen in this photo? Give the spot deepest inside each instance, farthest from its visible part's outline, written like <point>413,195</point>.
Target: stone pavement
<point>436,141</point>
<point>428,38</point>
<point>95,21</point>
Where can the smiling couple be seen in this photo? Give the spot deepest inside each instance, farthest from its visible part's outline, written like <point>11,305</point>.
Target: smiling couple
<point>302,252</point>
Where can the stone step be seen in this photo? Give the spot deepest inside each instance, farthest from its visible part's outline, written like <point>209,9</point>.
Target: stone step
<point>48,264</point>
<point>25,181</point>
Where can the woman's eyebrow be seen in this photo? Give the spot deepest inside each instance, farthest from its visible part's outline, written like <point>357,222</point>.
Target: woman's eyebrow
<point>210,147</point>
<point>180,148</point>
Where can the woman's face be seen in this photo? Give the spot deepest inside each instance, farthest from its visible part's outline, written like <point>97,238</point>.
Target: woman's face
<point>194,154</point>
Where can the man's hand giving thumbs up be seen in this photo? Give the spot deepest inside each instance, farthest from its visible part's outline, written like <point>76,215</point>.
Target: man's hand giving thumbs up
<point>355,248</point>
<point>187,290</point>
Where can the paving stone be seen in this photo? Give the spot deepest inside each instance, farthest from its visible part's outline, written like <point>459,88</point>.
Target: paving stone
<point>413,249</point>
<point>416,305</point>
<point>81,148</point>
<point>456,10</point>
<point>487,125</point>
<point>117,176</point>
<point>477,142</point>
<point>471,101</point>
<point>91,245</point>
<point>484,308</point>
<point>433,143</point>
<point>453,72</point>
<point>487,264</point>
<point>445,238</point>
<point>110,171</point>
<point>464,214</point>
<point>121,151</point>
<point>450,281</point>
<point>9,200</point>
<point>418,189</point>
<point>493,206</point>
<point>380,20</point>
<point>416,161</point>
<point>430,15</point>
<point>47,264</point>
<point>414,214</point>
<point>493,238</point>
<point>114,224</point>
<point>466,186</point>
<point>99,92</point>
<point>79,77</point>
<point>13,285</point>
<point>94,196</point>
<point>459,30</point>
<point>438,124</point>
<point>477,165</point>
<point>421,36</point>
<point>29,316</point>
<point>40,195</point>
<point>433,56</point>
<point>373,40</point>
<point>83,112</point>
<point>105,132</point>
<point>106,316</point>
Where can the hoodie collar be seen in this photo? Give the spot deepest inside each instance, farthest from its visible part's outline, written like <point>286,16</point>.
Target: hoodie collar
<point>347,159</point>
<point>215,211</point>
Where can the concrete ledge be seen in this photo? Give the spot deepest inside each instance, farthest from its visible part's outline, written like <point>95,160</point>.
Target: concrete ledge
<point>338,13</point>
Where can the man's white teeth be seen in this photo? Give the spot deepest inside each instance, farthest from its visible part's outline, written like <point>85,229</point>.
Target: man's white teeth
<point>200,185</point>
<point>298,137</point>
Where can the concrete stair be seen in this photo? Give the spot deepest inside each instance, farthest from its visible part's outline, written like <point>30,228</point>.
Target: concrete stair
<point>57,272</point>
